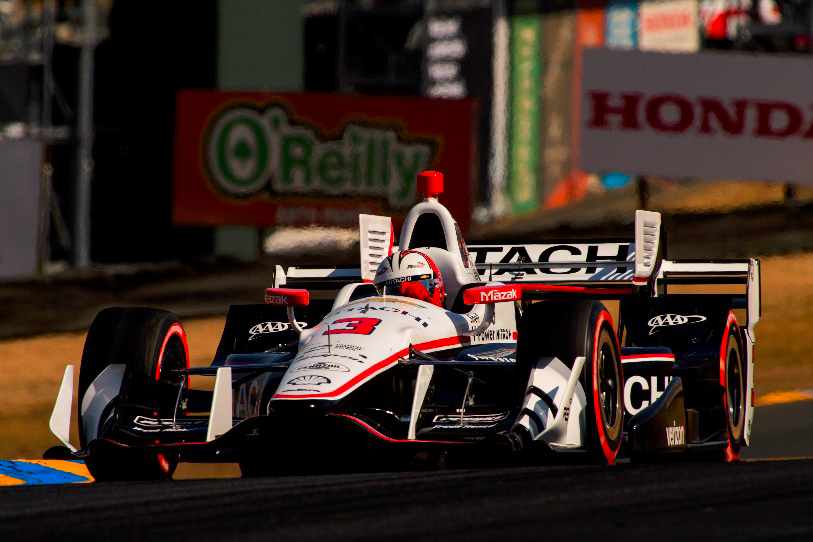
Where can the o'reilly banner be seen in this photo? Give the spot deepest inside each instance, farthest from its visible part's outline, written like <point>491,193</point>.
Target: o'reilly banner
<point>296,159</point>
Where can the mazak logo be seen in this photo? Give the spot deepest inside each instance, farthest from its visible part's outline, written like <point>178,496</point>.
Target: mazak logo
<point>499,295</point>
<point>271,327</point>
<point>276,299</point>
<point>667,320</point>
<point>250,151</point>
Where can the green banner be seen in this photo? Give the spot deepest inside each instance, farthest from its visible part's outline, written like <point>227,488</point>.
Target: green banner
<point>526,110</point>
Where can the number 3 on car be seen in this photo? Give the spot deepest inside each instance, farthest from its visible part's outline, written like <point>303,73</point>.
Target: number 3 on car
<point>356,326</point>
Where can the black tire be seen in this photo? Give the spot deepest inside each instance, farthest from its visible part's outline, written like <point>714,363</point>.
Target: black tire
<point>567,330</point>
<point>150,343</point>
<point>732,376</point>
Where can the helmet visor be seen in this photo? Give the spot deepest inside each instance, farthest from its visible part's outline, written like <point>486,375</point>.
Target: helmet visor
<point>395,286</point>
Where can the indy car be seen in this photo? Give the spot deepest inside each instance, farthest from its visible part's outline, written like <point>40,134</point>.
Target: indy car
<point>433,349</point>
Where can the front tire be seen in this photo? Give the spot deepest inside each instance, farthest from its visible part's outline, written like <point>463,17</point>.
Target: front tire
<point>567,330</point>
<point>151,344</point>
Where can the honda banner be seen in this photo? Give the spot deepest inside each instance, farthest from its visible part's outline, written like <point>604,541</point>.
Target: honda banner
<point>700,116</point>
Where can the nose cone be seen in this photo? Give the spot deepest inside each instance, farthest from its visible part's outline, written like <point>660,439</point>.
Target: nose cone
<point>304,411</point>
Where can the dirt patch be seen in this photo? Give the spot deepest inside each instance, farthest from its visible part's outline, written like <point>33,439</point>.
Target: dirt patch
<point>32,368</point>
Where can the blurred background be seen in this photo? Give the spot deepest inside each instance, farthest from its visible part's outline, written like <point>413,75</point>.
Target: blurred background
<point>170,153</point>
<point>110,114</point>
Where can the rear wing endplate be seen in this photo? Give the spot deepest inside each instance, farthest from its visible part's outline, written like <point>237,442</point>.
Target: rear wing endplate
<point>722,272</point>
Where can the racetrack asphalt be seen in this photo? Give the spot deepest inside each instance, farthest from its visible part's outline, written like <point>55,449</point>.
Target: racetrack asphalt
<point>761,500</point>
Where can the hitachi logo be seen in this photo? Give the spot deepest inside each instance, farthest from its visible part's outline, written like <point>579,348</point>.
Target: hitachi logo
<point>497,295</point>
<point>675,114</point>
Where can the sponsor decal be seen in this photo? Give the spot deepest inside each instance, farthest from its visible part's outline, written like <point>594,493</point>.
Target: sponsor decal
<point>271,327</point>
<point>416,265</point>
<point>643,385</point>
<point>500,295</point>
<point>288,390</point>
<point>155,425</point>
<point>676,435</point>
<point>332,356</point>
<point>492,358</point>
<point>668,320</point>
<point>323,366</point>
<point>566,413</point>
<point>608,252</point>
<point>391,309</point>
<point>351,347</point>
<point>309,380</point>
<point>252,150</point>
<point>247,403</point>
<point>276,299</point>
<point>491,335</point>
<point>412,278</point>
<point>476,421</point>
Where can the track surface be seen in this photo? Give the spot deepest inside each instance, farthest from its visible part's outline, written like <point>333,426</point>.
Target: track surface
<point>755,499</point>
<point>768,500</point>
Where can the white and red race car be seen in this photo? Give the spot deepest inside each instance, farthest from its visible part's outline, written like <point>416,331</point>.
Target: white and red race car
<point>521,361</point>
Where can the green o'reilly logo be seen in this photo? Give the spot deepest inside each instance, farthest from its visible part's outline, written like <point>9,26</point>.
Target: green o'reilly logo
<point>250,151</point>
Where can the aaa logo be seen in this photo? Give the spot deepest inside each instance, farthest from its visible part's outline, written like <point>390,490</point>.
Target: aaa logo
<point>672,320</point>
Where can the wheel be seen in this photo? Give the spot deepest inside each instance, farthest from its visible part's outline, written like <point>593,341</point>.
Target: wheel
<point>151,344</point>
<point>569,329</point>
<point>732,378</point>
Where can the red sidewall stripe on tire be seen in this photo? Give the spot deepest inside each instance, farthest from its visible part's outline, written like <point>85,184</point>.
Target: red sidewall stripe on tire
<point>730,454</point>
<point>609,454</point>
<point>174,329</point>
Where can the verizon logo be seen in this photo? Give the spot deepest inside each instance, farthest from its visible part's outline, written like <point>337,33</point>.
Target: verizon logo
<point>496,295</point>
<point>675,113</point>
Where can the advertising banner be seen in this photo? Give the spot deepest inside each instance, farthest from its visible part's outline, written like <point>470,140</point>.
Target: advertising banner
<point>698,116</point>
<point>669,26</point>
<point>557,82</point>
<point>263,159</point>
<point>622,24</point>
<point>458,63</point>
<point>526,110</point>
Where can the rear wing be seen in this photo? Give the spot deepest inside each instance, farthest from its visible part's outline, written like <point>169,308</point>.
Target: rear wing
<point>600,261</point>
<point>605,268</point>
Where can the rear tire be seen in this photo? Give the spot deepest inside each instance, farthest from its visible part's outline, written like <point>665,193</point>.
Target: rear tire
<point>567,330</point>
<point>732,375</point>
<point>151,343</point>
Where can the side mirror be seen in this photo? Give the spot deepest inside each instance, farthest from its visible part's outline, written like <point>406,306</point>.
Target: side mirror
<point>288,297</point>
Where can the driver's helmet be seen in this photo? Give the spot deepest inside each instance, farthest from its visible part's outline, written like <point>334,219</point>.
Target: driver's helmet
<point>412,274</point>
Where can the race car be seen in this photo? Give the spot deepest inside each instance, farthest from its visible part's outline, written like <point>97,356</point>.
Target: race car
<point>434,351</point>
